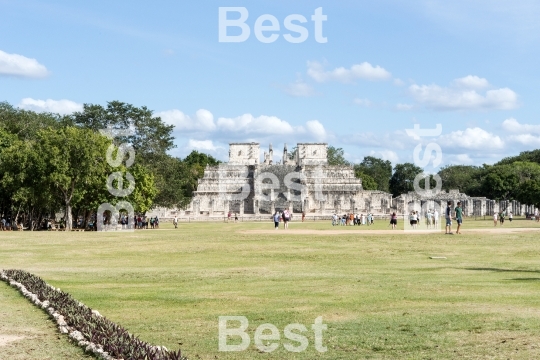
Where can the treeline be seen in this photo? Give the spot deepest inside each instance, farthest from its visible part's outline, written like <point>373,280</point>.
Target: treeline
<point>512,178</point>
<point>51,163</point>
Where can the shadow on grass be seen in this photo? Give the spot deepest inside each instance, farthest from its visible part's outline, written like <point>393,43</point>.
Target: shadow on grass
<point>503,270</point>
<point>525,279</point>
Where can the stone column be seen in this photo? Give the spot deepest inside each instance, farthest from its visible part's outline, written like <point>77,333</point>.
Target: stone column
<point>322,206</point>
<point>272,207</point>
<point>256,207</point>
<point>196,208</point>
<point>211,210</point>
<point>242,208</point>
<point>226,207</point>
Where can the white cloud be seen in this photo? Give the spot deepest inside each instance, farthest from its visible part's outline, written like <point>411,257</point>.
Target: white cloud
<point>204,145</point>
<point>390,155</point>
<point>363,102</point>
<point>525,139</point>
<point>299,89</point>
<point>404,107</point>
<point>461,159</point>
<point>459,98</point>
<point>398,82</point>
<point>18,65</point>
<point>471,139</point>
<point>202,121</point>
<point>513,126</point>
<point>364,71</point>
<point>248,124</point>
<point>316,130</point>
<point>471,82</point>
<point>62,107</point>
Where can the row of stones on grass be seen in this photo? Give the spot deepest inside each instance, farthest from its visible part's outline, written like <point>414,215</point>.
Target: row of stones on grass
<point>84,326</point>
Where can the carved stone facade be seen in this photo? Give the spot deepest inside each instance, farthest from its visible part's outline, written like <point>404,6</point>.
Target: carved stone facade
<point>301,182</point>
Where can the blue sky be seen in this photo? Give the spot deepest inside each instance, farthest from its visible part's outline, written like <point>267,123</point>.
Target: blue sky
<point>471,66</point>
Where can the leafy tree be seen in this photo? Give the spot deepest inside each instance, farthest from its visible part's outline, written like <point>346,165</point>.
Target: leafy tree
<point>463,177</point>
<point>379,170</point>
<point>368,183</point>
<point>335,156</point>
<point>504,182</point>
<point>25,124</point>
<point>151,135</point>
<point>402,181</point>
<point>72,158</point>
<point>527,156</point>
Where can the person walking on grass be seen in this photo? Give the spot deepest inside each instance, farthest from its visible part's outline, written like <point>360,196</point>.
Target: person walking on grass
<point>393,220</point>
<point>276,220</point>
<point>510,216</point>
<point>175,222</point>
<point>494,219</point>
<point>286,218</point>
<point>449,218</point>
<point>459,216</point>
<point>501,217</point>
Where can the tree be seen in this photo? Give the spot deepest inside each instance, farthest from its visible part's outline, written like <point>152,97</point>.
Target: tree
<point>527,156</point>
<point>72,158</point>
<point>368,183</point>
<point>151,135</point>
<point>463,177</point>
<point>335,156</point>
<point>504,182</point>
<point>402,181</point>
<point>379,170</point>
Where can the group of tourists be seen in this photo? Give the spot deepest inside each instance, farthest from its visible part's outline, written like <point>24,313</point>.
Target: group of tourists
<point>284,216</point>
<point>142,222</point>
<point>229,216</point>
<point>431,217</point>
<point>353,219</point>
<point>501,216</point>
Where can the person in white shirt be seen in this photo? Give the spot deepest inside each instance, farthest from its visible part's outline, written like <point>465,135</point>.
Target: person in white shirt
<point>494,219</point>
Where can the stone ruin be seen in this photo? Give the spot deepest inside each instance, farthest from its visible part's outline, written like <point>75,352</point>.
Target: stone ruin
<point>303,182</point>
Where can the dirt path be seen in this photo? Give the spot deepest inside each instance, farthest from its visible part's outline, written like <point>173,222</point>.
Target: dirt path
<point>497,230</point>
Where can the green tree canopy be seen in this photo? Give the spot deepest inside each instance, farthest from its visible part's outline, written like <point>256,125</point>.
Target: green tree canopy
<point>402,181</point>
<point>378,169</point>
<point>335,156</point>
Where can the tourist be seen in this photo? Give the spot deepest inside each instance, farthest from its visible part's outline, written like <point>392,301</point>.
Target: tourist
<point>286,218</point>
<point>235,217</point>
<point>459,216</point>
<point>228,216</point>
<point>494,219</point>
<point>363,219</point>
<point>334,219</point>
<point>436,218</point>
<point>429,218</point>
<point>175,222</point>
<point>411,219</point>
<point>343,219</point>
<point>369,219</point>
<point>276,220</point>
<point>449,218</point>
<point>501,217</point>
<point>510,216</point>
<point>351,219</point>
<point>393,220</point>
<point>151,223</point>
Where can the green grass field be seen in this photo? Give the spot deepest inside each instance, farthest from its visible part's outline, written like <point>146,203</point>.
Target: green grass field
<point>380,294</point>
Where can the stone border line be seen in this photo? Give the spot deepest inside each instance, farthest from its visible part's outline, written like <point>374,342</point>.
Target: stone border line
<point>108,334</point>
